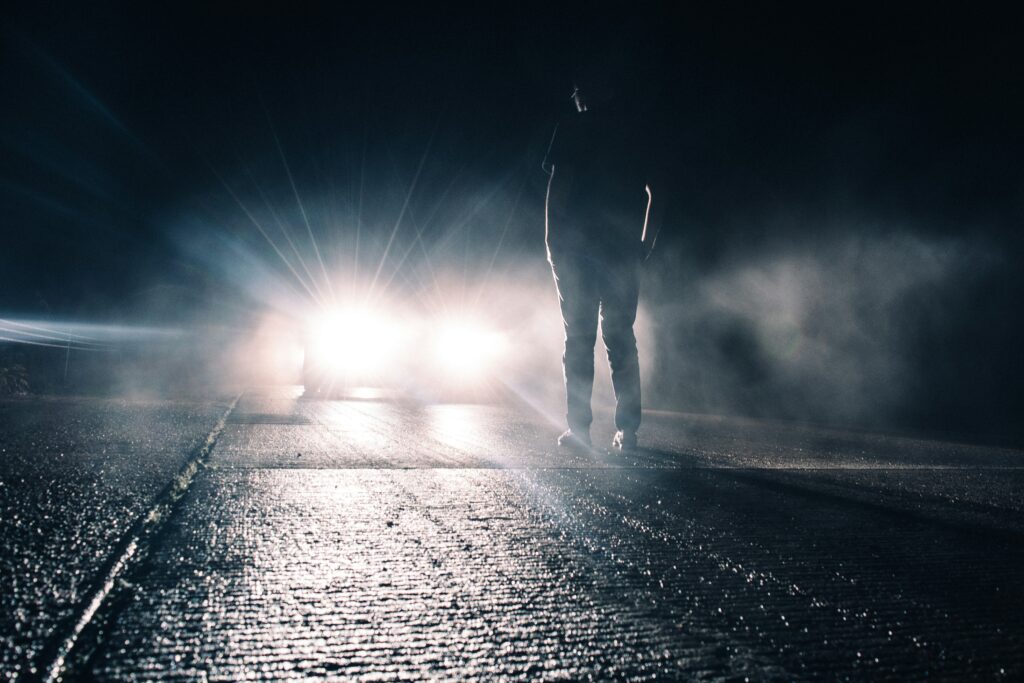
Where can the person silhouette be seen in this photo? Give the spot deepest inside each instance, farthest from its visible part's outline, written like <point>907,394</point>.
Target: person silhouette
<point>598,229</point>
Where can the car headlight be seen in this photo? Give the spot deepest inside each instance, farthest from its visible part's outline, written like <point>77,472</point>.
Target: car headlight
<point>355,341</point>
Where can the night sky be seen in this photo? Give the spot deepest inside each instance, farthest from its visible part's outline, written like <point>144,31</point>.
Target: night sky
<point>846,183</point>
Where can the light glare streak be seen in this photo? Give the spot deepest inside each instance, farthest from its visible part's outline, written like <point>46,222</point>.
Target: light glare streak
<point>298,200</point>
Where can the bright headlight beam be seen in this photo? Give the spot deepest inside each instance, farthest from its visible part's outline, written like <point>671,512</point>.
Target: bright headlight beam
<point>372,347</point>
<point>356,340</point>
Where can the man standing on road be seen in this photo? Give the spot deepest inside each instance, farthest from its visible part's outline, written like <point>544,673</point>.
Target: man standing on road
<point>599,228</point>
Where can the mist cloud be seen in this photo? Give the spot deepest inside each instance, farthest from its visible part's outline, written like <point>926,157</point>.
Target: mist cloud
<point>827,331</point>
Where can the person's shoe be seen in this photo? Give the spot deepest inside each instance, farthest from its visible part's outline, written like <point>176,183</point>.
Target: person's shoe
<point>571,439</point>
<point>624,441</point>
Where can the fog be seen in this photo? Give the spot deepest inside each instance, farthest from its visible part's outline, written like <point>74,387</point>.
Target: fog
<point>826,331</point>
<point>836,328</point>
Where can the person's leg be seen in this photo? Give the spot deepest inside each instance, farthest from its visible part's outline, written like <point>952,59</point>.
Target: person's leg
<point>578,300</point>
<point>620,291</point>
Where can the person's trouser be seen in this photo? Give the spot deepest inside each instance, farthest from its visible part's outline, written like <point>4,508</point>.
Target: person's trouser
<point>589,287</point>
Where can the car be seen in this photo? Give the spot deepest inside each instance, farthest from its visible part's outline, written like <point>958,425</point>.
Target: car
<point>374,352</point>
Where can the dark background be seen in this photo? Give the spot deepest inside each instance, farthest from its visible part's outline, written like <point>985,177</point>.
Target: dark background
<point>845,181</point>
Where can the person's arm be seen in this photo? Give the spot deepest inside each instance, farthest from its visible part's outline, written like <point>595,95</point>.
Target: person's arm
<point>653,220</point>
<point>657,189</point>
<point>547,164</point>
<point>547,209</point>
<point>559,161</point>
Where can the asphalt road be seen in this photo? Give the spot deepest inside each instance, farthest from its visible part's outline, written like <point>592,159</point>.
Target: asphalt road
<point>281,538</point>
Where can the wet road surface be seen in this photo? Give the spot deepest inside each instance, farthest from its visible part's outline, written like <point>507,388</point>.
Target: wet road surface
<point>360,540</point>
<point>75,476</point>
